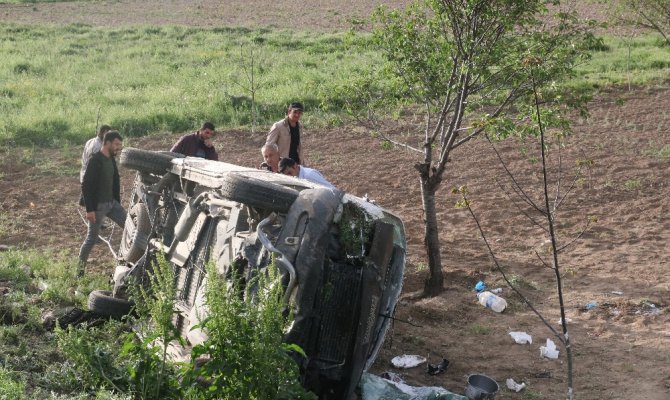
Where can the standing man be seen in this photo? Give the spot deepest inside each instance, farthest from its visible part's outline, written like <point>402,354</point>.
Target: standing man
<point>92,146</point>
<point>286,134</point>
<point>101,190</point>
<point>198,144</point>
<point>288,166</point>
<point>270,156</point>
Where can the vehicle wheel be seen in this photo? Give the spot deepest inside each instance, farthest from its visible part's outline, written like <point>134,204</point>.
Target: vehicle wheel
<point>153,162</point>
<point>136,233</point>
<point>102,303</point>
<point>257,193</point>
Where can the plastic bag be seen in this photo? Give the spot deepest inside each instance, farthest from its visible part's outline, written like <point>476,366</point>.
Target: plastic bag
<point>407,361</point>
<point>521,337</point>
<point>376,388</point>
<point>549,350</point>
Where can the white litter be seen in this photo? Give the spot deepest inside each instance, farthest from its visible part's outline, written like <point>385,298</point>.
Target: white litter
<point>42,286</point>
<point>617,292</point>
<point>549,351</point>
<point>407,361</point>
<point>560,321</point>
<point>521,337</point>
<point>517,387</point>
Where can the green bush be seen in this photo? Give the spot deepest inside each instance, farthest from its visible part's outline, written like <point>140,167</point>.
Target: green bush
<point>246,356</point>
<point>95,354</point>
<point>10,387</point>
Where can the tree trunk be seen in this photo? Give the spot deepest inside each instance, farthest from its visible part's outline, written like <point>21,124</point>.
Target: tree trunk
<point>434,283</point>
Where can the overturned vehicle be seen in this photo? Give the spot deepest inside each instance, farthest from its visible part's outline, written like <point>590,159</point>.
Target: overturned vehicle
<point>341,257</point>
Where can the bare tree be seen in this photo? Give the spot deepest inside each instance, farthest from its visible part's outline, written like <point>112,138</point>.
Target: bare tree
<point>653,15</point>
<point>248,79</point>
<point>463,62</point>
<point>543,215</point>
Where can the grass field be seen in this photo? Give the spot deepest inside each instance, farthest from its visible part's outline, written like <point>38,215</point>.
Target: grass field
<point>56,82</point>
<point>56,79</point>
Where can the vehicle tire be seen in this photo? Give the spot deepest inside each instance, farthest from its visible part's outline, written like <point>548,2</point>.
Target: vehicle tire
<point>135,237</point>
<point>152,162</point>
<point>257,193</point>
<point>104,304</point>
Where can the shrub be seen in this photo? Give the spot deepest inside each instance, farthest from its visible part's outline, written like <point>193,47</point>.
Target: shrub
<point>246,356</point>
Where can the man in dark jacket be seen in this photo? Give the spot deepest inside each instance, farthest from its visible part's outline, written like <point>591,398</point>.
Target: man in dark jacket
<point>198,144</point>
<point>101,190</point>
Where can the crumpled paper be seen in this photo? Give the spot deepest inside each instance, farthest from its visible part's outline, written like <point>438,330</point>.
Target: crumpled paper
<point>521,337</point>
<point>517,387</point>
<point>407,361</point>
<point>549,351</point>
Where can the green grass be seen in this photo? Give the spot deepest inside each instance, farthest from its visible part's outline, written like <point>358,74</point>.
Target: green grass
<point>663,152</point>
<point>86,362</point>
<point>11,387</point>
<point>632,184</point>
<point>31,367</point>
<point>479,330</point>
<point>56,274</point>
<point>55,80</point>
<point>649,61</point>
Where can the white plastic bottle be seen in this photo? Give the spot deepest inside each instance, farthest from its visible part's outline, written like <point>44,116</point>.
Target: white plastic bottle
<point>490,300</point>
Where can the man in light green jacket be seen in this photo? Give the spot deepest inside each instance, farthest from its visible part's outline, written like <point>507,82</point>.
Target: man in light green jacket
<point>286,134</point>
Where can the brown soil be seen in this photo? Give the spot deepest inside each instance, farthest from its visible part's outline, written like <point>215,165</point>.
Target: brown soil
<point>620,346</point>
<point>324,15</point>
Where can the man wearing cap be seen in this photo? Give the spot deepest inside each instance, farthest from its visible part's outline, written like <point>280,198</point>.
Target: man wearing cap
<point>286,134</point>
<point>288,166</point>
<point>198,144</point>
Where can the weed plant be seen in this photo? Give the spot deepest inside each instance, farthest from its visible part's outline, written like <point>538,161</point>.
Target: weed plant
<point>11,387</point>
<point>156,332</point>
<point>243,358</point>
<point>132,363</point>
<point>38,283</point>
<point>246,358</point>
<point>95,356</point>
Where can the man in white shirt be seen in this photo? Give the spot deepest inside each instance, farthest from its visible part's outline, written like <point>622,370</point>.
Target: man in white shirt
<point>288,166</point>
<point>92,146</point>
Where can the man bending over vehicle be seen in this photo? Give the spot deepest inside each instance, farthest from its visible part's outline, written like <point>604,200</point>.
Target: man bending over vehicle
<point>288,166</point>
<point>198,144</point>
